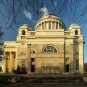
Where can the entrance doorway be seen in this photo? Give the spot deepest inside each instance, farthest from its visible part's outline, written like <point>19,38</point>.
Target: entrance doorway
<point>32,64</point>
<point>6,70</point>
<point>32,68</point>
<point>67,67</point>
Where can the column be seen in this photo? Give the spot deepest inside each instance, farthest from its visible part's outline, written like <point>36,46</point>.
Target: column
<point>47,25</point>
<point>44,26</point>
<point>39,27</point>
<point>4,63</point>
<point>16,60</point>
<point>81,58</point>
<point>51,25</point>
<point>10,62</point>
<point>13,61</point>
<point>7,62</point>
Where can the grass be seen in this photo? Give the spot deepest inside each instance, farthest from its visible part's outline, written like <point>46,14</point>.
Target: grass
<point>4,79</point>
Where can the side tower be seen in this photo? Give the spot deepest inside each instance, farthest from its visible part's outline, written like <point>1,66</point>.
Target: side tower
<point>78,53</point>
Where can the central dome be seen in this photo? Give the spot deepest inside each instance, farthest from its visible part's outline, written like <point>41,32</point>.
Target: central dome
<point>49,22</point>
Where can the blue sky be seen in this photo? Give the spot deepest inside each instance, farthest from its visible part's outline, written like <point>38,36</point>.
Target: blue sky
<point>27,17</point>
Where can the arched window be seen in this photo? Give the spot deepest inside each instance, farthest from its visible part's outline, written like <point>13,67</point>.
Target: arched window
<point>23,32</point>
<point>76,32</point>
<point>50,49</point>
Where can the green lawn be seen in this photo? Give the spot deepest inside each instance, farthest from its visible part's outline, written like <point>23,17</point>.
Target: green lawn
<point>4,78</point>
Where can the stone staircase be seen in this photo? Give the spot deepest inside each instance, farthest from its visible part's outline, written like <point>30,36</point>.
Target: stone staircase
<point>47,80</point>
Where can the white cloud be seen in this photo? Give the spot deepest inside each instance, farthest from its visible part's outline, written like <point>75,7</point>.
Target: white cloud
<point>55,3</point>
<point>44,10</point>
<point>28,14</point>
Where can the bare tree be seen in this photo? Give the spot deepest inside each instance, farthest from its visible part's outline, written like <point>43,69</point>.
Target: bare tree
<point>12,9</point>
<point>1,43</point>
<point>1,33</point>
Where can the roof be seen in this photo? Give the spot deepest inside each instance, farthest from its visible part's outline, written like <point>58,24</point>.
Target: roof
<point>25,26</point>
<point>74,26</point>
<point>50,16</point>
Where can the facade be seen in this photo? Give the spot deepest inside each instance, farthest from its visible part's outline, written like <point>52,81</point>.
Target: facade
<point>47,49</point>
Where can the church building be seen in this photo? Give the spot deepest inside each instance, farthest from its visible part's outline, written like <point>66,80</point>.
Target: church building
<point>49,48</point>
